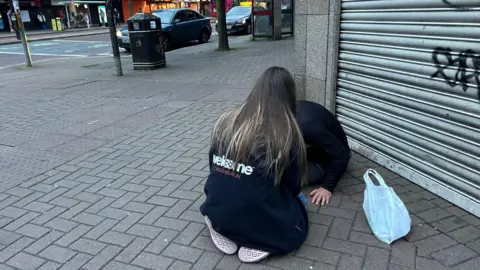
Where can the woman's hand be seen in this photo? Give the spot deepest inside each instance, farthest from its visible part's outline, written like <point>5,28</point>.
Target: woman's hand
<point>321,195</point>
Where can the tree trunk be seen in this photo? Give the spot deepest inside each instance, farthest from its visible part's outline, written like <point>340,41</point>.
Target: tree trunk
<point>222,26</point>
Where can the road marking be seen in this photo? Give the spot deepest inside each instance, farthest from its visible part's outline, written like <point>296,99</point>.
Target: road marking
<point>45,54</point>
<point>37,61</point>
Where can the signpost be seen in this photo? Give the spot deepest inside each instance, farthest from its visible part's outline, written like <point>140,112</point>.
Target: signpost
<point>113,37</point>
<point>17,23</point>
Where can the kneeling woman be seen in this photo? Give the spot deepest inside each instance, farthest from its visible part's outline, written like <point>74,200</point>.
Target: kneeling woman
<point>257,166</point>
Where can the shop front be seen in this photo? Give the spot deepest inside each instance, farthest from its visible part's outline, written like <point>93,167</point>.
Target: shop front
<point>404,85</point>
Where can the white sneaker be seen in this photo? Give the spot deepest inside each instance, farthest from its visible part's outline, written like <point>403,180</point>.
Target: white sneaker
<point>224,244</point>
<point>249,255</point>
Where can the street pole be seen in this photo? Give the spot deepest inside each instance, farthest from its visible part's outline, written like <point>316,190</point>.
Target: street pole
<point>130,7</point>
<point>113,37</point>
<point>15,8</point>
<point>23,37</point>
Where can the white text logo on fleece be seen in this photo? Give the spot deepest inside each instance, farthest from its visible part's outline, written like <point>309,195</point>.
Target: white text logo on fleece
<point>228,164</point>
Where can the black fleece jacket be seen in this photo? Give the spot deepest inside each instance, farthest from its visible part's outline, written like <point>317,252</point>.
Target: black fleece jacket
<point>322,131</point>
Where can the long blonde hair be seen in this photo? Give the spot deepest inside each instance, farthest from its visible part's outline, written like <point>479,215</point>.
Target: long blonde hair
<point>264,127</point>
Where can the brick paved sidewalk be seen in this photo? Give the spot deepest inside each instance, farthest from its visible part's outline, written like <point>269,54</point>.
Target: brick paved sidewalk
<point>99,172</point>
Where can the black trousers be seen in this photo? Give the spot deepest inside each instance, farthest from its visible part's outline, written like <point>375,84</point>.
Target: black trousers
<point>318,165</point>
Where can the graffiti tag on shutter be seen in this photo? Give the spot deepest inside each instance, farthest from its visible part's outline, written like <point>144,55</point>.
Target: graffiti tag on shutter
<point>444,59</point>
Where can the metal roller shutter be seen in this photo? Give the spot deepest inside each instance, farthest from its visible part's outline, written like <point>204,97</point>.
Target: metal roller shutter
<point>409,91</point>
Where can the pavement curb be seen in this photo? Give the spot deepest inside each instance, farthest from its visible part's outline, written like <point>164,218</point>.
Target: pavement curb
<point>56,37</point>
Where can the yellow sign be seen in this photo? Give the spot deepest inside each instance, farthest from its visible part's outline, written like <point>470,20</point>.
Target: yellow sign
<point>247,4</point>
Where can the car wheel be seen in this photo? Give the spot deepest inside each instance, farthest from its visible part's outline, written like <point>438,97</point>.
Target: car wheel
<point>204,37</point>
<point>166,43</point>
<point>128,50</point>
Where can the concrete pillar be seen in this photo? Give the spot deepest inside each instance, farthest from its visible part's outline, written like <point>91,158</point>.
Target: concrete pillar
<point>277,21</point>
<point>317,30</point>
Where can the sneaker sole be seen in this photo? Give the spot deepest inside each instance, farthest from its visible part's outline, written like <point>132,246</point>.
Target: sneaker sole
<point>224,244</point>
<point>248,255</point>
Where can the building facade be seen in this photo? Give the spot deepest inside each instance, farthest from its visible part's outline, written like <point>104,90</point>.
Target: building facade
<point>403,78</point>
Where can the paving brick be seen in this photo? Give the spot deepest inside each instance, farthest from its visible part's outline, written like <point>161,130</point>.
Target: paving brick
<point>179,265</point>
<point>403,253</point>
<point>229,263</point>
<point>100,205</point>
<point>12,212</point>
<point>367,239</point>
<point>43,242</point>
<point>258,267</point>
<point>449,224</point>
<point>454,255</point>
<point>153,215</point>
<point>147,194</point>
<point>25,261</point>
<point>419,206</point>
<point>316,235</point>
<point>162,201</point>
<point>189,234</point>
<point>81,206</point>
<point>88,197</point>
<point>50,266</point>
<point>289,262</point>
<point>377,258</point>
<point>133,187</point>
<point>349,262</point>
<point>469,265</point>
<point>171,223</point>
<point>8,237</point>
<point>88,246</point>
<point>57,254</point>
<point>117,238</point>
<point>152,261</point>
<point>434,244</point>
<point>318,254</point>
<point>47,216</point>
<point>337,212</point>
<point>101,228</point>
<point>101,259</point>
<point>466,234</point>
<point>88,219</point>
<point>161,242</point>
<point>208,260</point>
<point>428,264</point>
<point>17,223</point>
<point>33,231</point>
<point>58,191</point>
<point>118,265</point>
<point>64,202</point>
<point>169,189</point>
<point>114,213</point>
<point>475,245</point>
<point>128,222</point>
<point>345,247</point>
<point>130,252</point>
<point>472,220</point>
<point>434,214</point>
<point>28,200</point>
<point>184,253</point>
<point>361,224</point>
<point>340,228</point>
<point>19,192</point>
<point>420,232</point>
<point>111,192</point>
<point>76,262</point>
<point>61,224</point>
<point>14,248</point>
<point>144,231</point>
<point>5,221</point>
<point>138,207</point>
<point>73,235</point>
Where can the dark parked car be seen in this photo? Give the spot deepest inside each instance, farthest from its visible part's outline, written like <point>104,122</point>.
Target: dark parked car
<point>239,20</point>
<point>179,26</point>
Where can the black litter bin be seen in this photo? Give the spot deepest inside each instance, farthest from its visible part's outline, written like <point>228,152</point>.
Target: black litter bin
<point>145,31</point>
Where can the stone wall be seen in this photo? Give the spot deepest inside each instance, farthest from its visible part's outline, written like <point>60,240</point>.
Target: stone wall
<point>317,29</point>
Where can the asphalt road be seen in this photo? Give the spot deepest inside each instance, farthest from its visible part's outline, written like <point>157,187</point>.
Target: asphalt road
<point>85,46</point>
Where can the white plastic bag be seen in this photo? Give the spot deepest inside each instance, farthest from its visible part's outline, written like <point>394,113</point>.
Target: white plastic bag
<point>387,215</point>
